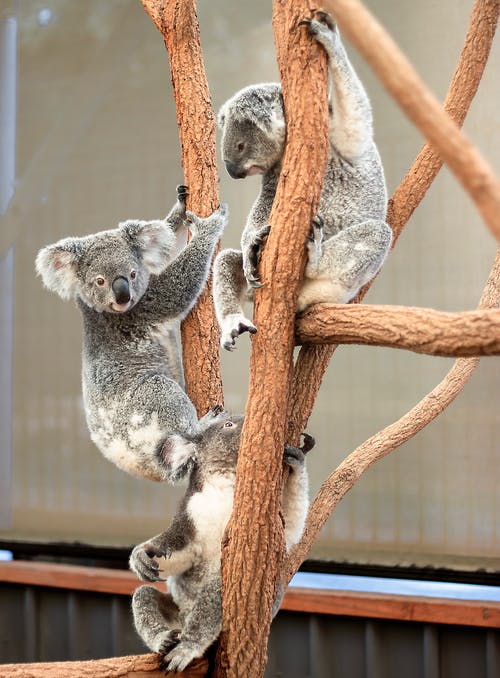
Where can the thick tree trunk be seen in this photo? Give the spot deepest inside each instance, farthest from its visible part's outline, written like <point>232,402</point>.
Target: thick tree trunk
<point>253,551</point>
<point>178,23</point>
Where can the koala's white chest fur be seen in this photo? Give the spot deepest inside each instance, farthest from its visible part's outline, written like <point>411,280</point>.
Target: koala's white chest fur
<point>210,511</point>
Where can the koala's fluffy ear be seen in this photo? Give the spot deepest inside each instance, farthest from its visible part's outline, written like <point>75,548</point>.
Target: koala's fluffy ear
<point>154,239</point>
<point>58,265</point>
<point>260,104</point>
<point>178,455</point>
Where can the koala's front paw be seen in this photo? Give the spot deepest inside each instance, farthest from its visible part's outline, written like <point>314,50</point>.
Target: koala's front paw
<point>314,244</point>
<point>232,326</point>
<point>252,254</point>
<point>143,561</point>
<point>294,457</point>
<point>181,656</point>
<point>308,443</point>
<point>212,225</point>
<point>182,193</point>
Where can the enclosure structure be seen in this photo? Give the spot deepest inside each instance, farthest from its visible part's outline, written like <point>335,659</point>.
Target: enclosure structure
<point>316,353</point>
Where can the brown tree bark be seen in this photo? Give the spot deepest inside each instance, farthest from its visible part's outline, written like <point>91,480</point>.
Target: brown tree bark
<point>422,330</point>
<point>312,361</point>
<point>350,470</point>
<point>139,666</point>
<point>253,551</point>
<point>178,23</point>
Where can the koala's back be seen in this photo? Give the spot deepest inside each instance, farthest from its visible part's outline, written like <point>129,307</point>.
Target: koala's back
<point>352,191</point>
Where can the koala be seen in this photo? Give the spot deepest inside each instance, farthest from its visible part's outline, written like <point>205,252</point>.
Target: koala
<point>183,623</point>
<point>127,284</point>
<point>349,238</point>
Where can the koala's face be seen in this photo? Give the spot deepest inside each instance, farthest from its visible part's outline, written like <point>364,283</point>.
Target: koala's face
<point>110,270</point>
<point>213,451</point>
<point>253,130</point>
<point>111,275</point>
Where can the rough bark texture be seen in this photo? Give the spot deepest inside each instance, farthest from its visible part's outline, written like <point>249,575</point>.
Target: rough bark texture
<point>140,666</point>
<point>253,551</point>
<point>178,23</point>
<point>312,361</point>
<point>349,471</point>
<point>423,330</point>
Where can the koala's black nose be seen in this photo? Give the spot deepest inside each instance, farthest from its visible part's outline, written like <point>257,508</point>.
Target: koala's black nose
<point>234,171</point>
<point>121,289</point>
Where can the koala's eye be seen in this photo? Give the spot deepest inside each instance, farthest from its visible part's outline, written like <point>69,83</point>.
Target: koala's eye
<point>100,281</point>
<point>240,147</point>
<point>132,274</point>
<point>228,424</point>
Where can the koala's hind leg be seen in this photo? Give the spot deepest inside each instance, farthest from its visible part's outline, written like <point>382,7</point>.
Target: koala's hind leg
<point>156,618</point>
<point>229,288</point>
<point>350,110</point>
<point>201,626</point>
<point>349,260</point>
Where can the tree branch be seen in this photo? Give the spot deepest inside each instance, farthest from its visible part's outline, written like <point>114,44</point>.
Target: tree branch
<point>139,666</point>
<point>312,361</point>
<point>350,470</point>
<point>178,23</point>
<point>422,330</point>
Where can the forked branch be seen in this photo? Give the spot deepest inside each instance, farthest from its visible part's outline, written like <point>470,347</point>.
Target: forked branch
<point>350,470</point>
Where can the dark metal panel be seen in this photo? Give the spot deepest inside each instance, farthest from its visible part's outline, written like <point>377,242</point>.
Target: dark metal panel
<point>45,624</point>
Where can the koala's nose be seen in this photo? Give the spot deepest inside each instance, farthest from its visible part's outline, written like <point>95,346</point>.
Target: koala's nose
<point>121,289</point>
<point>234,171</point>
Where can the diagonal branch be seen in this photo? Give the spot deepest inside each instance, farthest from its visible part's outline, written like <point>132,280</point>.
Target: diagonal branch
<point>405,85</point>
<point>350,470</point>
<point>312,361</point>
<point>422,330</point>
<point>178,23</point>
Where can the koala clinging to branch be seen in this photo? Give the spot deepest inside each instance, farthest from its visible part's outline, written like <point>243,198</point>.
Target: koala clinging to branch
<point>183,623</point>
<point>349,237</point>
<point>126,285</point>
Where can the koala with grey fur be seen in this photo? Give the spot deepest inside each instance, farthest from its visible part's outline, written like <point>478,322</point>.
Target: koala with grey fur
<point>349,238</point>
<point>127,284</point>
<point>183,623</point>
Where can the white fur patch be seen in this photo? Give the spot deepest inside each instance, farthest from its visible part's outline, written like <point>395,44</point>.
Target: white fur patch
<point>316,290</point>
<point>210,511</point>
<point>146,437</point>
<point>179,451</point>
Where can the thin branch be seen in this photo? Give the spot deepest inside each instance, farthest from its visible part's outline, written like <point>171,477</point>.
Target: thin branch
<point>312,361</point>
<point>422,330</point>
<point>405,85</point>
<point>352,468</point>
<point>178,23</point>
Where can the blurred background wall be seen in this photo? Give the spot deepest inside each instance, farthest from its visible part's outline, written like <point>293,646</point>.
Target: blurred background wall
<point>88,138</point>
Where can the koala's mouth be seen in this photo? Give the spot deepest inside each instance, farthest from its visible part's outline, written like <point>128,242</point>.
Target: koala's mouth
<point>254,169</point>
<point>121,308</point>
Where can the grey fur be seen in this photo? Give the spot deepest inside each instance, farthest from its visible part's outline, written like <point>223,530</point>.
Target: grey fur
<point>126,286</point>
<point>349,239</point>
<point>183,623</point>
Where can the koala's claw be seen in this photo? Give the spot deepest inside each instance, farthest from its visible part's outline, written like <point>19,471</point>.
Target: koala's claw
<point>232,327</point>
<point>143,563</point>
<point>293,457</point>
<point>182,192</point>
<point>324,18</point>
<point>308,443</point>
<point>254,252</point>
<point>181,656</point>
<point>170,640</point>
<point>254,281</point>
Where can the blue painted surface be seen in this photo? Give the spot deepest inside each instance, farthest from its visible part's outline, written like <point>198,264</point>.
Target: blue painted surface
<point>401,587</point>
